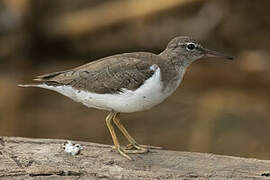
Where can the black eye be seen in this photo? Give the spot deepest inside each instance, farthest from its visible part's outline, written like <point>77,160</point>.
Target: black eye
<point>191,46</point>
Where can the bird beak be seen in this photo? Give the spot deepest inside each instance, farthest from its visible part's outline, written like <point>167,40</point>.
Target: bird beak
<point>211,53</point>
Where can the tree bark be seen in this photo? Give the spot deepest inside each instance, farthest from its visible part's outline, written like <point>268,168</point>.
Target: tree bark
<point>25,158</point>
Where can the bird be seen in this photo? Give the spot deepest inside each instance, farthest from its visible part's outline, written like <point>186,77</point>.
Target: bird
<point>127,83</point>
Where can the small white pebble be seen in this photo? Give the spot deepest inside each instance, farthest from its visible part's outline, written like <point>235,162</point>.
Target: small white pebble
<point>73,149</point>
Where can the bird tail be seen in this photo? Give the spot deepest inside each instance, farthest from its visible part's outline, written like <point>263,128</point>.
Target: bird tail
<point>29,85</point>
<point>48,77</point>
<point>45,80</point>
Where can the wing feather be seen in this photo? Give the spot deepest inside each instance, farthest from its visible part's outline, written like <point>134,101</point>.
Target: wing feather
<point>108,75</point>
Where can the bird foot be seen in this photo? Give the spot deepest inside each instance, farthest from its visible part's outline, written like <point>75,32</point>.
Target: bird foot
<point>123,152</point>
<point>141,147</point>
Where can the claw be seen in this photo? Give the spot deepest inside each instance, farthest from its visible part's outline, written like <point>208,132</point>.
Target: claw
<point>144,148</point>
<point>141,147</point>
<point>136,151</point>
<point>151,147</point>
<point>136,148</point>
<point>123,153</point>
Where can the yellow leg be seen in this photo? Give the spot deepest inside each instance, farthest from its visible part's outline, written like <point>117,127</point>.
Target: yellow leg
<point>114,138</point>
<point>133,143</point>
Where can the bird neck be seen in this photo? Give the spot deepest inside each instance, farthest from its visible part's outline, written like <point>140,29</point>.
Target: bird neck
<point>174,58</point>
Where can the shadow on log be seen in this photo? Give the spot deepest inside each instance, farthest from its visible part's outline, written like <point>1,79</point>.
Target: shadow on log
<point>25,158</point>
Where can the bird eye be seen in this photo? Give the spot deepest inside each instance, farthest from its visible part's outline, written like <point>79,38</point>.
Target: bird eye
<point>190,46</point>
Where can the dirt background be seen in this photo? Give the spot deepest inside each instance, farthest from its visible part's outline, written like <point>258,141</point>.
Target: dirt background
<point>221,107</point>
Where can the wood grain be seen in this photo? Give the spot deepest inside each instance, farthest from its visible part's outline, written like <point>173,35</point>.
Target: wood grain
<point>25,158</point>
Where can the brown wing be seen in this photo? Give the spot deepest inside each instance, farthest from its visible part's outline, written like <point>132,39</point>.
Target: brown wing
<point>107,75</point>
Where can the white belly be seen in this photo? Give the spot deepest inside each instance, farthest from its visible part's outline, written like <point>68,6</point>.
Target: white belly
<point>145,97</point>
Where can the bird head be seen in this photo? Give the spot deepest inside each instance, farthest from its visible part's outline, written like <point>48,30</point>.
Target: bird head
<point>188,50</point>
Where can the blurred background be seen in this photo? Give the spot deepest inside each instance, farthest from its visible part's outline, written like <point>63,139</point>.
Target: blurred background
<point>221,107</point>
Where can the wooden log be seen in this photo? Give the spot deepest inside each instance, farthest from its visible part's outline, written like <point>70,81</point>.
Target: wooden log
<point>25,158</point>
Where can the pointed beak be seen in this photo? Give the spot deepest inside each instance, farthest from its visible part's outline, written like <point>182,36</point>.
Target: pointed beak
<point>211,53</point>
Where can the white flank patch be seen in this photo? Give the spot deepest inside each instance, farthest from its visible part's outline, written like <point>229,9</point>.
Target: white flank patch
<point>143,98</point>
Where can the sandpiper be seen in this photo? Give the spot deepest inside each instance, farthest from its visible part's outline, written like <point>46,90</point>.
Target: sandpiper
<point>128,82</point>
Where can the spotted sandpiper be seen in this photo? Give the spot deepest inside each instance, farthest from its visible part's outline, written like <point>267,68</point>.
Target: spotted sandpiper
<point>128,82</point>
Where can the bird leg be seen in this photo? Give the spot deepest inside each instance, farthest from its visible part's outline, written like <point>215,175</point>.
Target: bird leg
<point>114,138</point>
<point>133,144</point>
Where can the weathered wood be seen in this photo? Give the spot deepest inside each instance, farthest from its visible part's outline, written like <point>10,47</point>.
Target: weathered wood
<point>25,158</point>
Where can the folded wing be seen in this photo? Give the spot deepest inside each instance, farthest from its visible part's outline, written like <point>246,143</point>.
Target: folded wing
<point>107,75</point>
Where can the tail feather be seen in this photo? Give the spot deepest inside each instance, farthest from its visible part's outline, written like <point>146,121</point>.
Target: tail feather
<point>29,85</point>
<point>49,76</point>
<point>46,79</point>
